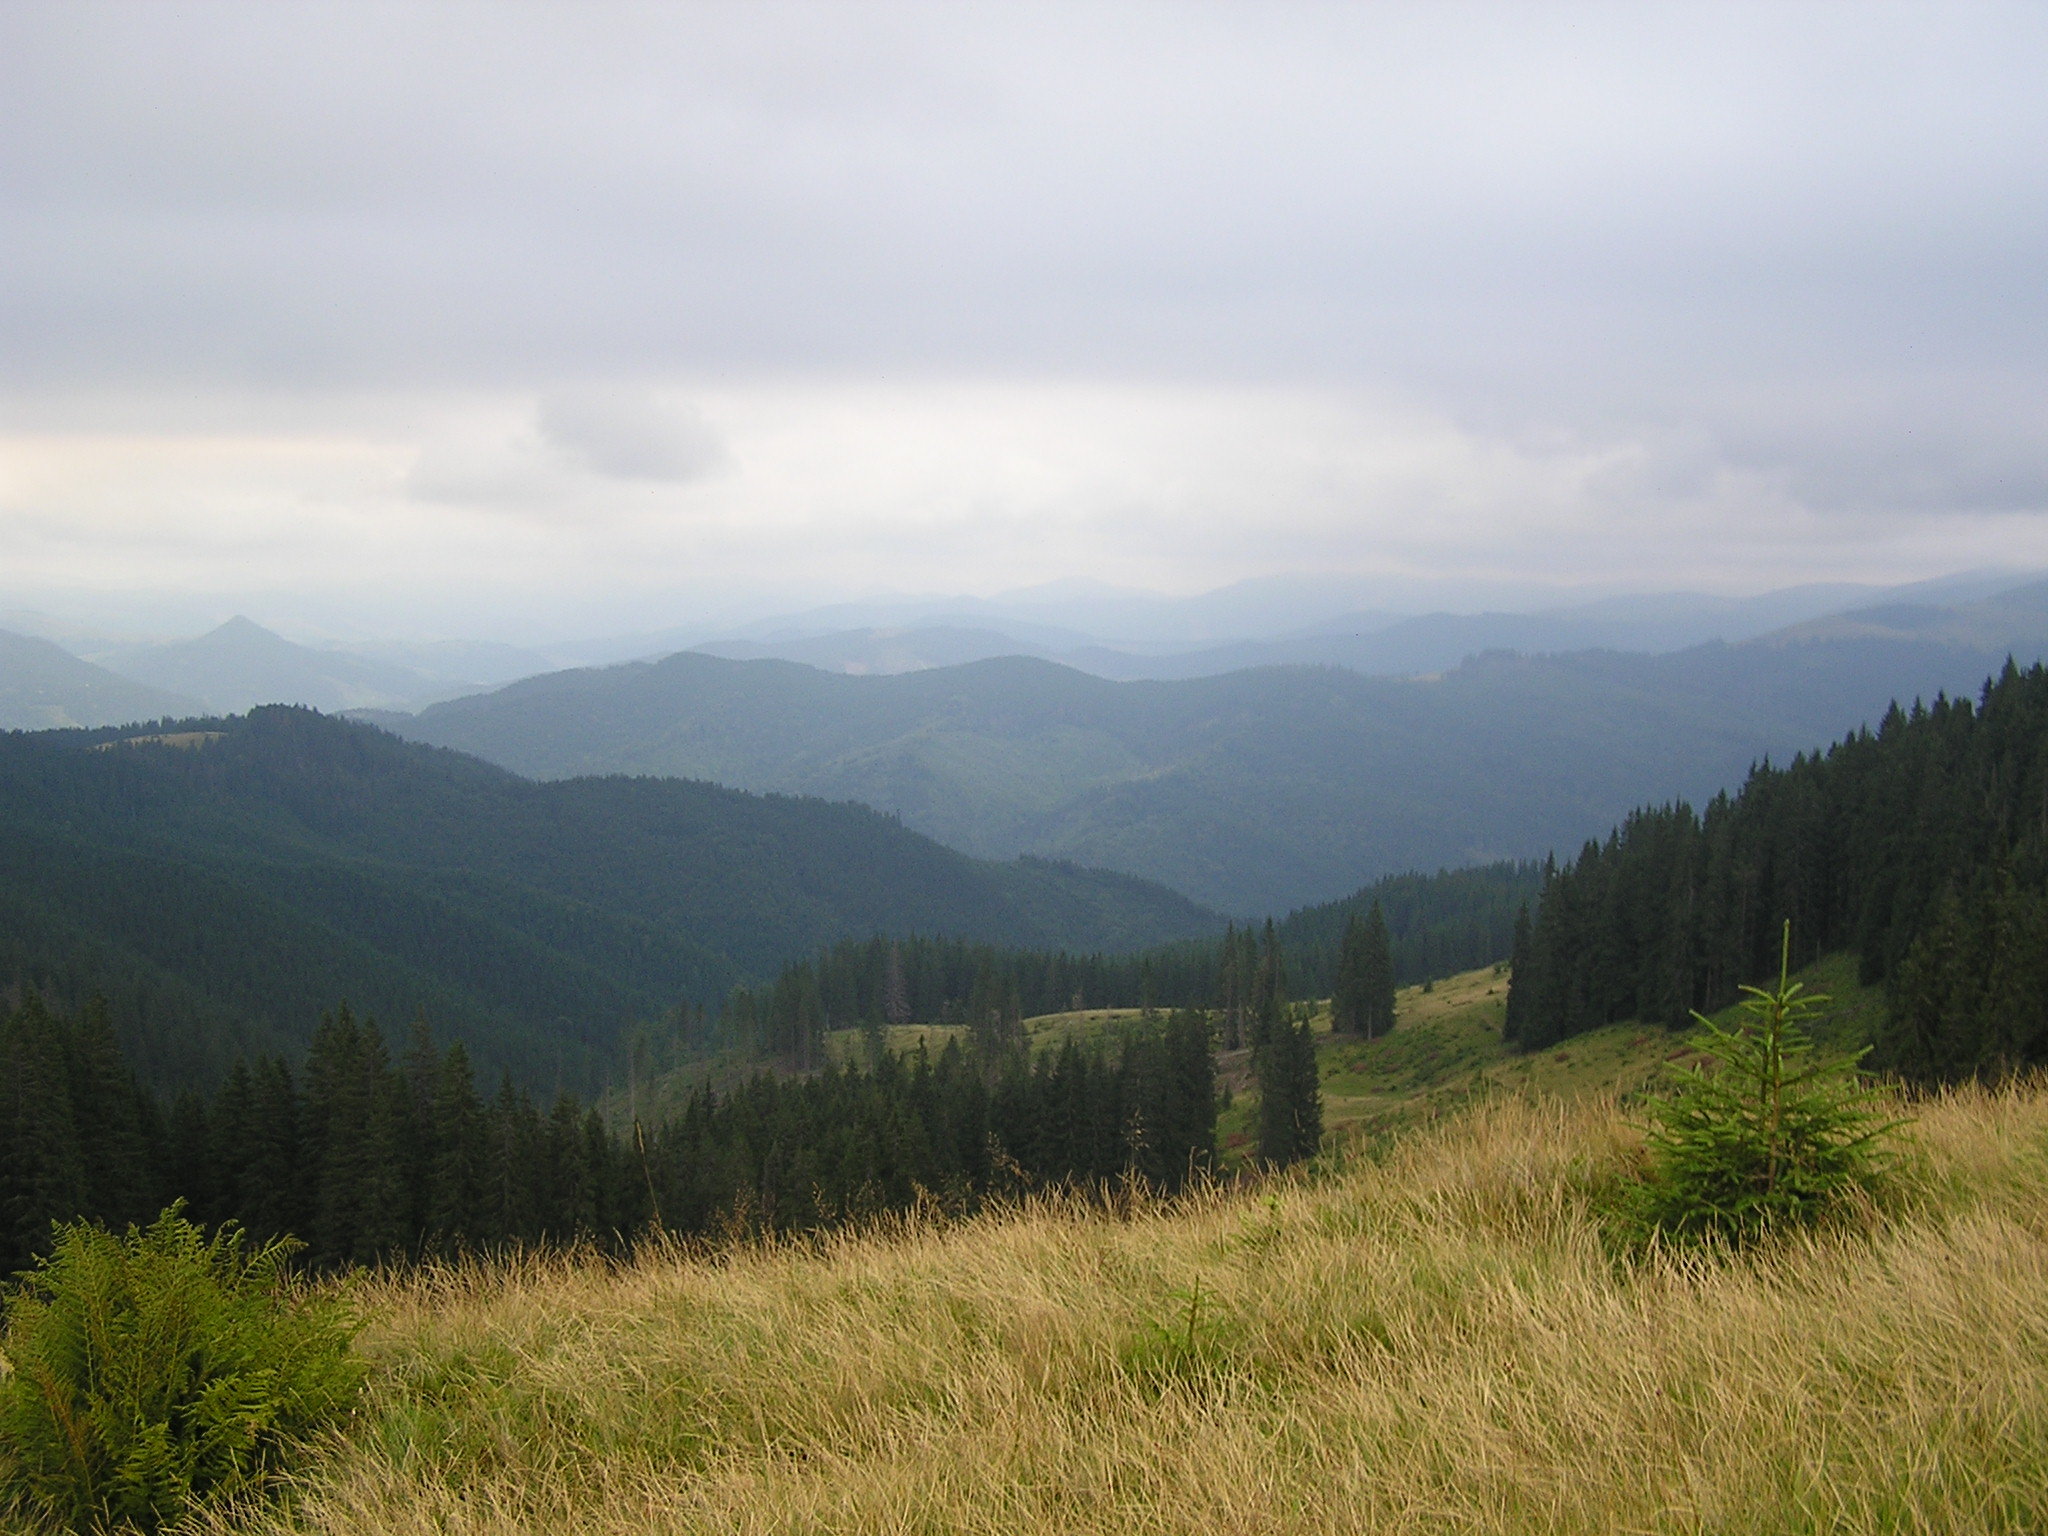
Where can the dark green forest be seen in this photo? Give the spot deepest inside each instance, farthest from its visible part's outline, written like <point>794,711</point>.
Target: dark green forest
<point>1437,925</point>
<point>222,892</point>
<point>175,905</point>
<point>370,1157</point>
<point>1921,846</point>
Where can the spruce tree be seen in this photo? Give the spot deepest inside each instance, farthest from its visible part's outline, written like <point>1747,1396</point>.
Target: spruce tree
<point>188,1157</point>
<point>1187,1117</point>
<point>356,1143</point>
<point>451,1208</point>
<point>1269,990</point>
<point>230,1121</point>
<point>1230,991</point>
<point>1377,965</point>
<point>388,1186</point>
<point>271,1189</point>
<point>1348,999</point>
<point>106,1111</point>
<point>334,1122</point>
<point>1290,1096</point>
<point>896,989</point>
<point>572,1198</point>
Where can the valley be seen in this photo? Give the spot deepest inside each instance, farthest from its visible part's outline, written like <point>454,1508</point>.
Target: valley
<point>1214,1215</point>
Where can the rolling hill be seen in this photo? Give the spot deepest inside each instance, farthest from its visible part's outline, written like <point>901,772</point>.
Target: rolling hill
<point>225,881</point>
<point>1253,791</point>
<point>45,687</point>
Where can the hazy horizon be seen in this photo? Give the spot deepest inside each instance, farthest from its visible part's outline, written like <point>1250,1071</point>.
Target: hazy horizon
<point>1071,611</point>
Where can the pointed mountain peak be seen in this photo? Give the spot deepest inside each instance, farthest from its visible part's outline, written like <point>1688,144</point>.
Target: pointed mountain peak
<point>243,636</point>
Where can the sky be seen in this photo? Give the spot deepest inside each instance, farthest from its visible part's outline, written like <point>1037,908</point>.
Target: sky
<point>520,320</point>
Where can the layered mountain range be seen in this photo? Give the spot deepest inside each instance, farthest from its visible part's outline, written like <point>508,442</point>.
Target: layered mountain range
<point>1360,746</point>
<point>1260,789</point>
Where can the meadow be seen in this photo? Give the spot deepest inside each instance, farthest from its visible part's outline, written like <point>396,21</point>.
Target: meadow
<point>1433,1334</point>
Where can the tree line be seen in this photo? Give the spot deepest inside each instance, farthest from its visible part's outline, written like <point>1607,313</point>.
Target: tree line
<point>1921,846</point>
<point>370,1155</point>
<point>1413,926</point>
<point>1241,983</point>
<point>1437,924</point>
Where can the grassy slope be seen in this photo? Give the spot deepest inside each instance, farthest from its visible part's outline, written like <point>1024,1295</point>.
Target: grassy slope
<point>1430,1339</point>
<point>1046,1031</point>
<point>1446,1050</point>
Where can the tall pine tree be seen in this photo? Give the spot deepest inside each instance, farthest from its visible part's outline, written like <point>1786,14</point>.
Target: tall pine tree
<point>1377,965</point>
<point>1347,999</point>
<point>1290,1095</point>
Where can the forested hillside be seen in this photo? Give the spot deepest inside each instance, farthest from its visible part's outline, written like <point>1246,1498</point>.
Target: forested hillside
<point>1921,845</point>
<point>1254,792</point>
<point>379,1142</point>
<point>227,881</point>
<point>1435,925</point>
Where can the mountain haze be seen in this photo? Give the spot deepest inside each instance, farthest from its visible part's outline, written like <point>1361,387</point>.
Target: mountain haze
<point>1373,641</point>
<point>1252,791</point>
<point>44,686</point>
<point>241,664</point>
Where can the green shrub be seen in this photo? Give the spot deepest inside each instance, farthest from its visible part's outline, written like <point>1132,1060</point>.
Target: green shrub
<point>1764,1132</point>
<point>156,1371</point>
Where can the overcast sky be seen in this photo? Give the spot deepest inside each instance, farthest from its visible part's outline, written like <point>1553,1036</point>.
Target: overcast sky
<point>524,319</point>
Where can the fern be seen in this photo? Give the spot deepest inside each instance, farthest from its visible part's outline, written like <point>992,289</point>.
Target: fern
<point>156,1371</point>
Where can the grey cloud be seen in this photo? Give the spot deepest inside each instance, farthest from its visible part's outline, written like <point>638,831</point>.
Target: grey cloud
<point>510,476</point>
<point>626,435</point>
<point>1682,237</point>
<point>1603,200</point>
<point>1931,445</point>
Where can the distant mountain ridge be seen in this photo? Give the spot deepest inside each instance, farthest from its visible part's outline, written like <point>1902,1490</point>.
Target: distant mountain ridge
<point>2016,619</point>
<point>1084,788</point>
<point>44,687</point>
<point>1379,643</point>
<point>1253,791</point>
<point>241,664</point>
<point>1266,621</point>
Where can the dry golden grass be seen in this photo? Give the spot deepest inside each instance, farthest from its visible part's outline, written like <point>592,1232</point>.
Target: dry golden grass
<point>1436,1341</point>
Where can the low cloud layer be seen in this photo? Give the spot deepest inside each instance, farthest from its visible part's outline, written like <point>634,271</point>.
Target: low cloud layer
<point>451,310</point>
<point>632,436</point>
